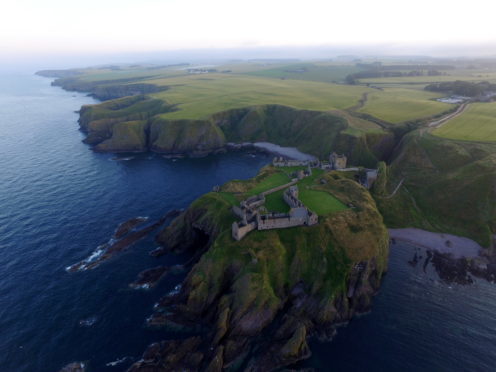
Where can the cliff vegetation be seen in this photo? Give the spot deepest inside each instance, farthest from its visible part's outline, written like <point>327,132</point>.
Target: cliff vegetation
<point>260,298</point>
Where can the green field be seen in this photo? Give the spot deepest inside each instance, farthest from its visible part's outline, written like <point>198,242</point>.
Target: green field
<point>200,96</point>
<point>298,85</point>
<point>357,126</point>
<point>477,123</point>
<point>328,73</point>
<point>139,72</point>
<point>275,203</point>
<point>466,75</point>
<point>274,180</point>
<point>396,105</point>
<point>321,202</point>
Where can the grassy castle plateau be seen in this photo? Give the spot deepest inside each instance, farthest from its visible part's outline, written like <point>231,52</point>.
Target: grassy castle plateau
<point>252,303</point>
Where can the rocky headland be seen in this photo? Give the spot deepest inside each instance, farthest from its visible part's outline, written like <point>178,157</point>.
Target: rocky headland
<point>137,124</point>
<point>252,304</point>
<point>131,120</point>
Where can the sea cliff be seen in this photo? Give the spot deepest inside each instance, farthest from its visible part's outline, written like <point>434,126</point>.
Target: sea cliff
<point>253,304</point>
<point>138,123</point>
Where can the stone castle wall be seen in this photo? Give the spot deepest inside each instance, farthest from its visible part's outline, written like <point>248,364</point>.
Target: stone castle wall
<point>239,232</point>
<point>251,218</point>
<point>268,222</point>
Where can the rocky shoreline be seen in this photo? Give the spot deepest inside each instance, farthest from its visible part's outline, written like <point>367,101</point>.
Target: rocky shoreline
<point>235,313</point>
<point>443,243</point>
<point>124,237</point>
<point>455,259</point>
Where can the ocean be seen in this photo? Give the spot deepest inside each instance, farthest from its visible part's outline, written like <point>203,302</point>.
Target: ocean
<point>59,201</point>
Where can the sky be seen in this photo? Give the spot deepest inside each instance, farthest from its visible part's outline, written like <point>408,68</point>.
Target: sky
<point>72,27</point>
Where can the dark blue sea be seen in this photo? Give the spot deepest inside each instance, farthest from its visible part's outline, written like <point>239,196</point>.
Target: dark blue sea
<point>59,201</point>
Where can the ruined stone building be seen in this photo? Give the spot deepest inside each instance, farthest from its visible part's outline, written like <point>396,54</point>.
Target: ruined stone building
<point>337,161</point>
<point>251,217</point>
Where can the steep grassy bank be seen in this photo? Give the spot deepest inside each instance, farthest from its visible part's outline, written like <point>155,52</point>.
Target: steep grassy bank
<point>120,124</point>
<point>312,132</point>
<point>449,186</point>
<point>260,298</point>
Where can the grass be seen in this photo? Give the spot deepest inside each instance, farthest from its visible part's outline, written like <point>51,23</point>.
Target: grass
<point>200,96</point>
<point>358,126</point>
<point>257,84</point>
<point>309,71</point>
<point>448,187</point>
<point>465,75</point>
<point>142,72</point>
<point>274,180</point>
<point>397,105</point>
<point>275,203</point>
<point>477,123</point>
<point>321,202</point>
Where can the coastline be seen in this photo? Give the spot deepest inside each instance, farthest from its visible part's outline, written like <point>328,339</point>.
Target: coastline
<point>443,243</point>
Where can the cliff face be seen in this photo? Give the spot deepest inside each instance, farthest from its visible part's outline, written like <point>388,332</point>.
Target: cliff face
<point>256,301</point>
<point>313,132</point>
<point>448,186</point>
<point>185,137</point>
<point>101,89</point>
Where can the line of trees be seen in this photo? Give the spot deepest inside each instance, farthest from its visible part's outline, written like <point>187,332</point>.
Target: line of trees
<point>462,88</point>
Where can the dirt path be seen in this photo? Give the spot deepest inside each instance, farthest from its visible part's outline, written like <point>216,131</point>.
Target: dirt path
<point>395,190</point>
<point>439,122</point>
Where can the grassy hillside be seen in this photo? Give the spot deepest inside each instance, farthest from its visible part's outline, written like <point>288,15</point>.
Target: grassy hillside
<point>448,186</point>
<point>200,96</point>
<point>396,105</point>
<point>452,75</point>
<point>320,255</point>
<point>477,123</point>
<point>322,72</point>
<point>274,285</point>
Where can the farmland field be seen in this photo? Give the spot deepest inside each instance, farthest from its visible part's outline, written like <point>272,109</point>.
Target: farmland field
<point>309,71</point>
<point>398,104</point>
<point>200,96</point>
<point>465,75</point>
<point>477,123</point>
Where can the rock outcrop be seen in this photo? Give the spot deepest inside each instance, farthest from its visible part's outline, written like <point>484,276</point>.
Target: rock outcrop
<point>137,123</point>
<point>254,303</point>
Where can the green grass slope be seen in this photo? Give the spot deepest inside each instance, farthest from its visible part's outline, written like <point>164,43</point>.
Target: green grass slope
<point>200,96</point>
<point>449,186</point>
<point>397,105</point>
<point>477,123</point>
<point>321,72</point>
<point>265,264</point>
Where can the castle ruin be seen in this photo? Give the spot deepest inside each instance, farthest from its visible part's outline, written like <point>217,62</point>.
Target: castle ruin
<point>253,219</point>
<point>337,161</point>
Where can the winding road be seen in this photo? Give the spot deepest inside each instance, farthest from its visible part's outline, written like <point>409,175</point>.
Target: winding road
<point>439,122</point>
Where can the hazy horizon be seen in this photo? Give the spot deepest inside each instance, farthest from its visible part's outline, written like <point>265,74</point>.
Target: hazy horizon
<point>34,62</point>
<point>56,34</point>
